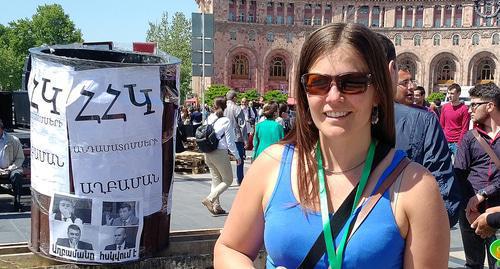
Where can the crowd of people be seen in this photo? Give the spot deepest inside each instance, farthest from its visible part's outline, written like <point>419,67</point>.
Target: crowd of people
<point>239,126</point>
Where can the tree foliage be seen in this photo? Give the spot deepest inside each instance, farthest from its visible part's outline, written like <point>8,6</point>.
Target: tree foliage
<point>276,96</point>
<point>175,39</point>
<point>436,95</point>
<point>250,95</point>
<point>215,90</point>
<point>49,25</point>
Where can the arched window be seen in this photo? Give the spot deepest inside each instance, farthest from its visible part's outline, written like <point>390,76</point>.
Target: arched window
<point>456,40</point>
<point>485,71</point>
<point>239,67</point>
<point>397,40</point>
<point>375,16</point>
<point>409,17</point>
<point>363,15</point>
<point>437,16</point>
<point>447,16</point>
<point>495,39</point>
<point>437,40</point>
<point>446,71</point>
<point>277,69</point>
<point>475,39</point>
<point>270,37</point>
<point>417,40</point>
<point>399,16</point>
<point>232,35</point>
<point>251,35</point>
<point>458,15</point>
<point>419,17</point>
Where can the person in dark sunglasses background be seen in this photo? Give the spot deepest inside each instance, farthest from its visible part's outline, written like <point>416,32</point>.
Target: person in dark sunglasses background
<point>342,143</point>
<point>475,167</point>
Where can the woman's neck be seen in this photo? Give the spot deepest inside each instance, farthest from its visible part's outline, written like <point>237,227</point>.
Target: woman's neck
<point>342,154</point>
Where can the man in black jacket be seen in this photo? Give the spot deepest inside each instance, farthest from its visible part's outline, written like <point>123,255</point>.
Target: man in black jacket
<point>478,172</point>
<point>73,240</point>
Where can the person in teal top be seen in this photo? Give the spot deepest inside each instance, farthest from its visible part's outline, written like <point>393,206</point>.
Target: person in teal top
<point>267,132</point>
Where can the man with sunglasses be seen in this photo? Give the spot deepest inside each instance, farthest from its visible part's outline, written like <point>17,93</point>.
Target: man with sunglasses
<point>419,134</point>
<point>477,170</point>
<point>454,118</point>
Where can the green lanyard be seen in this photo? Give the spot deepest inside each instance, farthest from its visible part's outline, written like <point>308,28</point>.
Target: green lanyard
<point>335,257</point>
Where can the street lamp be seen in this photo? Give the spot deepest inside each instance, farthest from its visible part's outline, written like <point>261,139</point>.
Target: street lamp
<point>487,12</point>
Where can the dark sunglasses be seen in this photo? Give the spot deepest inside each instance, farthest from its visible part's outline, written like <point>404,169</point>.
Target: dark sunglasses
<point>347,83</point>
<point>474,105</point>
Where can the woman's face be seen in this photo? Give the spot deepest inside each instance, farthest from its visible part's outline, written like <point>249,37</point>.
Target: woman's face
<point>337,114</point>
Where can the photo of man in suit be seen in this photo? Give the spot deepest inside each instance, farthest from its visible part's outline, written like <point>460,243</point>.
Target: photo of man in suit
<point>66,212</point>
<point>73,240</point>
<point>120,241</point>
<point>126,218</point>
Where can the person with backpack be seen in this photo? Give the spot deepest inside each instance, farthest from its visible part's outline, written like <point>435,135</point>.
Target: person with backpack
<point>218,160</point>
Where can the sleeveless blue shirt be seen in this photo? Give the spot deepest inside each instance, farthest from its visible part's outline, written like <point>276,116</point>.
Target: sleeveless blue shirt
<point>289,233</point>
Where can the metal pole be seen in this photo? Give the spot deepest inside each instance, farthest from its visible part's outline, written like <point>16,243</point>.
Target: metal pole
<point>203,62</point>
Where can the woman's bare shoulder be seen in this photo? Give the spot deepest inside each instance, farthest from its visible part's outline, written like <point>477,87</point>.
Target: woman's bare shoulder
<point>265,169</point>
<point>415,174</point>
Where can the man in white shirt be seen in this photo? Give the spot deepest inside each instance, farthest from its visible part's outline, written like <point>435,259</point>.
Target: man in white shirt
<point>11,162</point>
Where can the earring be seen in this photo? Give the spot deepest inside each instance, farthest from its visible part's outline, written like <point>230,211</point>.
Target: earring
<point>374,115</point>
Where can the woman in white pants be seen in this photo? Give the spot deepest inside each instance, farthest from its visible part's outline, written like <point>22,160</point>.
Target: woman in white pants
<point>218,160</point>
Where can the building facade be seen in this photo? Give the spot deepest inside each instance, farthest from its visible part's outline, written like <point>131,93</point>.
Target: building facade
<point>257,42</point>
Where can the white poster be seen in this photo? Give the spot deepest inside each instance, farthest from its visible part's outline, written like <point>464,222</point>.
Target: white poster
<point>114,122</point>
<point>48,88</point>
<point>95,230</point>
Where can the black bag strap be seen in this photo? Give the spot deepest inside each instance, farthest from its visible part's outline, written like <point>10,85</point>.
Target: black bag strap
<point>486,147</point>
<point>339,218</point>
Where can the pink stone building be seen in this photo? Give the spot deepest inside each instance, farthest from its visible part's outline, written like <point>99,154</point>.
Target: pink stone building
<point>257,42</point>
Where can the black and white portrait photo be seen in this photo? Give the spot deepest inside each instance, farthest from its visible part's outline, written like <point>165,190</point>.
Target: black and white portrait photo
<point>120,213</point>
<point>72,210</point>
<point>122,240</point>
<point>74,233</point>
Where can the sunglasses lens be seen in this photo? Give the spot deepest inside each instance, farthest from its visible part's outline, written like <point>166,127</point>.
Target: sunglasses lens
<point>353,83</point>
<point>316,84</point>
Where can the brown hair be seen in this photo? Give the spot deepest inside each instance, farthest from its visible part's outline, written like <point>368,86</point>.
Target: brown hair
<point>305,134</point>
<point>219,106</point>
<point>455,86</point>
<point>269,111</point>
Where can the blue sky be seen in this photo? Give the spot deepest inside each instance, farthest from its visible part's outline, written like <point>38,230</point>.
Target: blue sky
<point>103,20</point>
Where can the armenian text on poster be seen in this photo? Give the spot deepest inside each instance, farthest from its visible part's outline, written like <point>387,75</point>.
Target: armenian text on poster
<point>114,123</point>
<point>48,88</point>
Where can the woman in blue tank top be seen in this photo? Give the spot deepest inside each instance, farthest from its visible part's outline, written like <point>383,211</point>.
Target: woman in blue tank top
<point>345,115</point>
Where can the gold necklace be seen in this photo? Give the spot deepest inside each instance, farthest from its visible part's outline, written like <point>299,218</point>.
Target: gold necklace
<point>343,171</point>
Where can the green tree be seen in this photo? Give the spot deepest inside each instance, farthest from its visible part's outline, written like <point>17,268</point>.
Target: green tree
<point>436,95</point>
<point>213,91</point>
<point>276,96</point>
<point>175,39</point>
<point>250,95</point>
<point>49,25</point>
